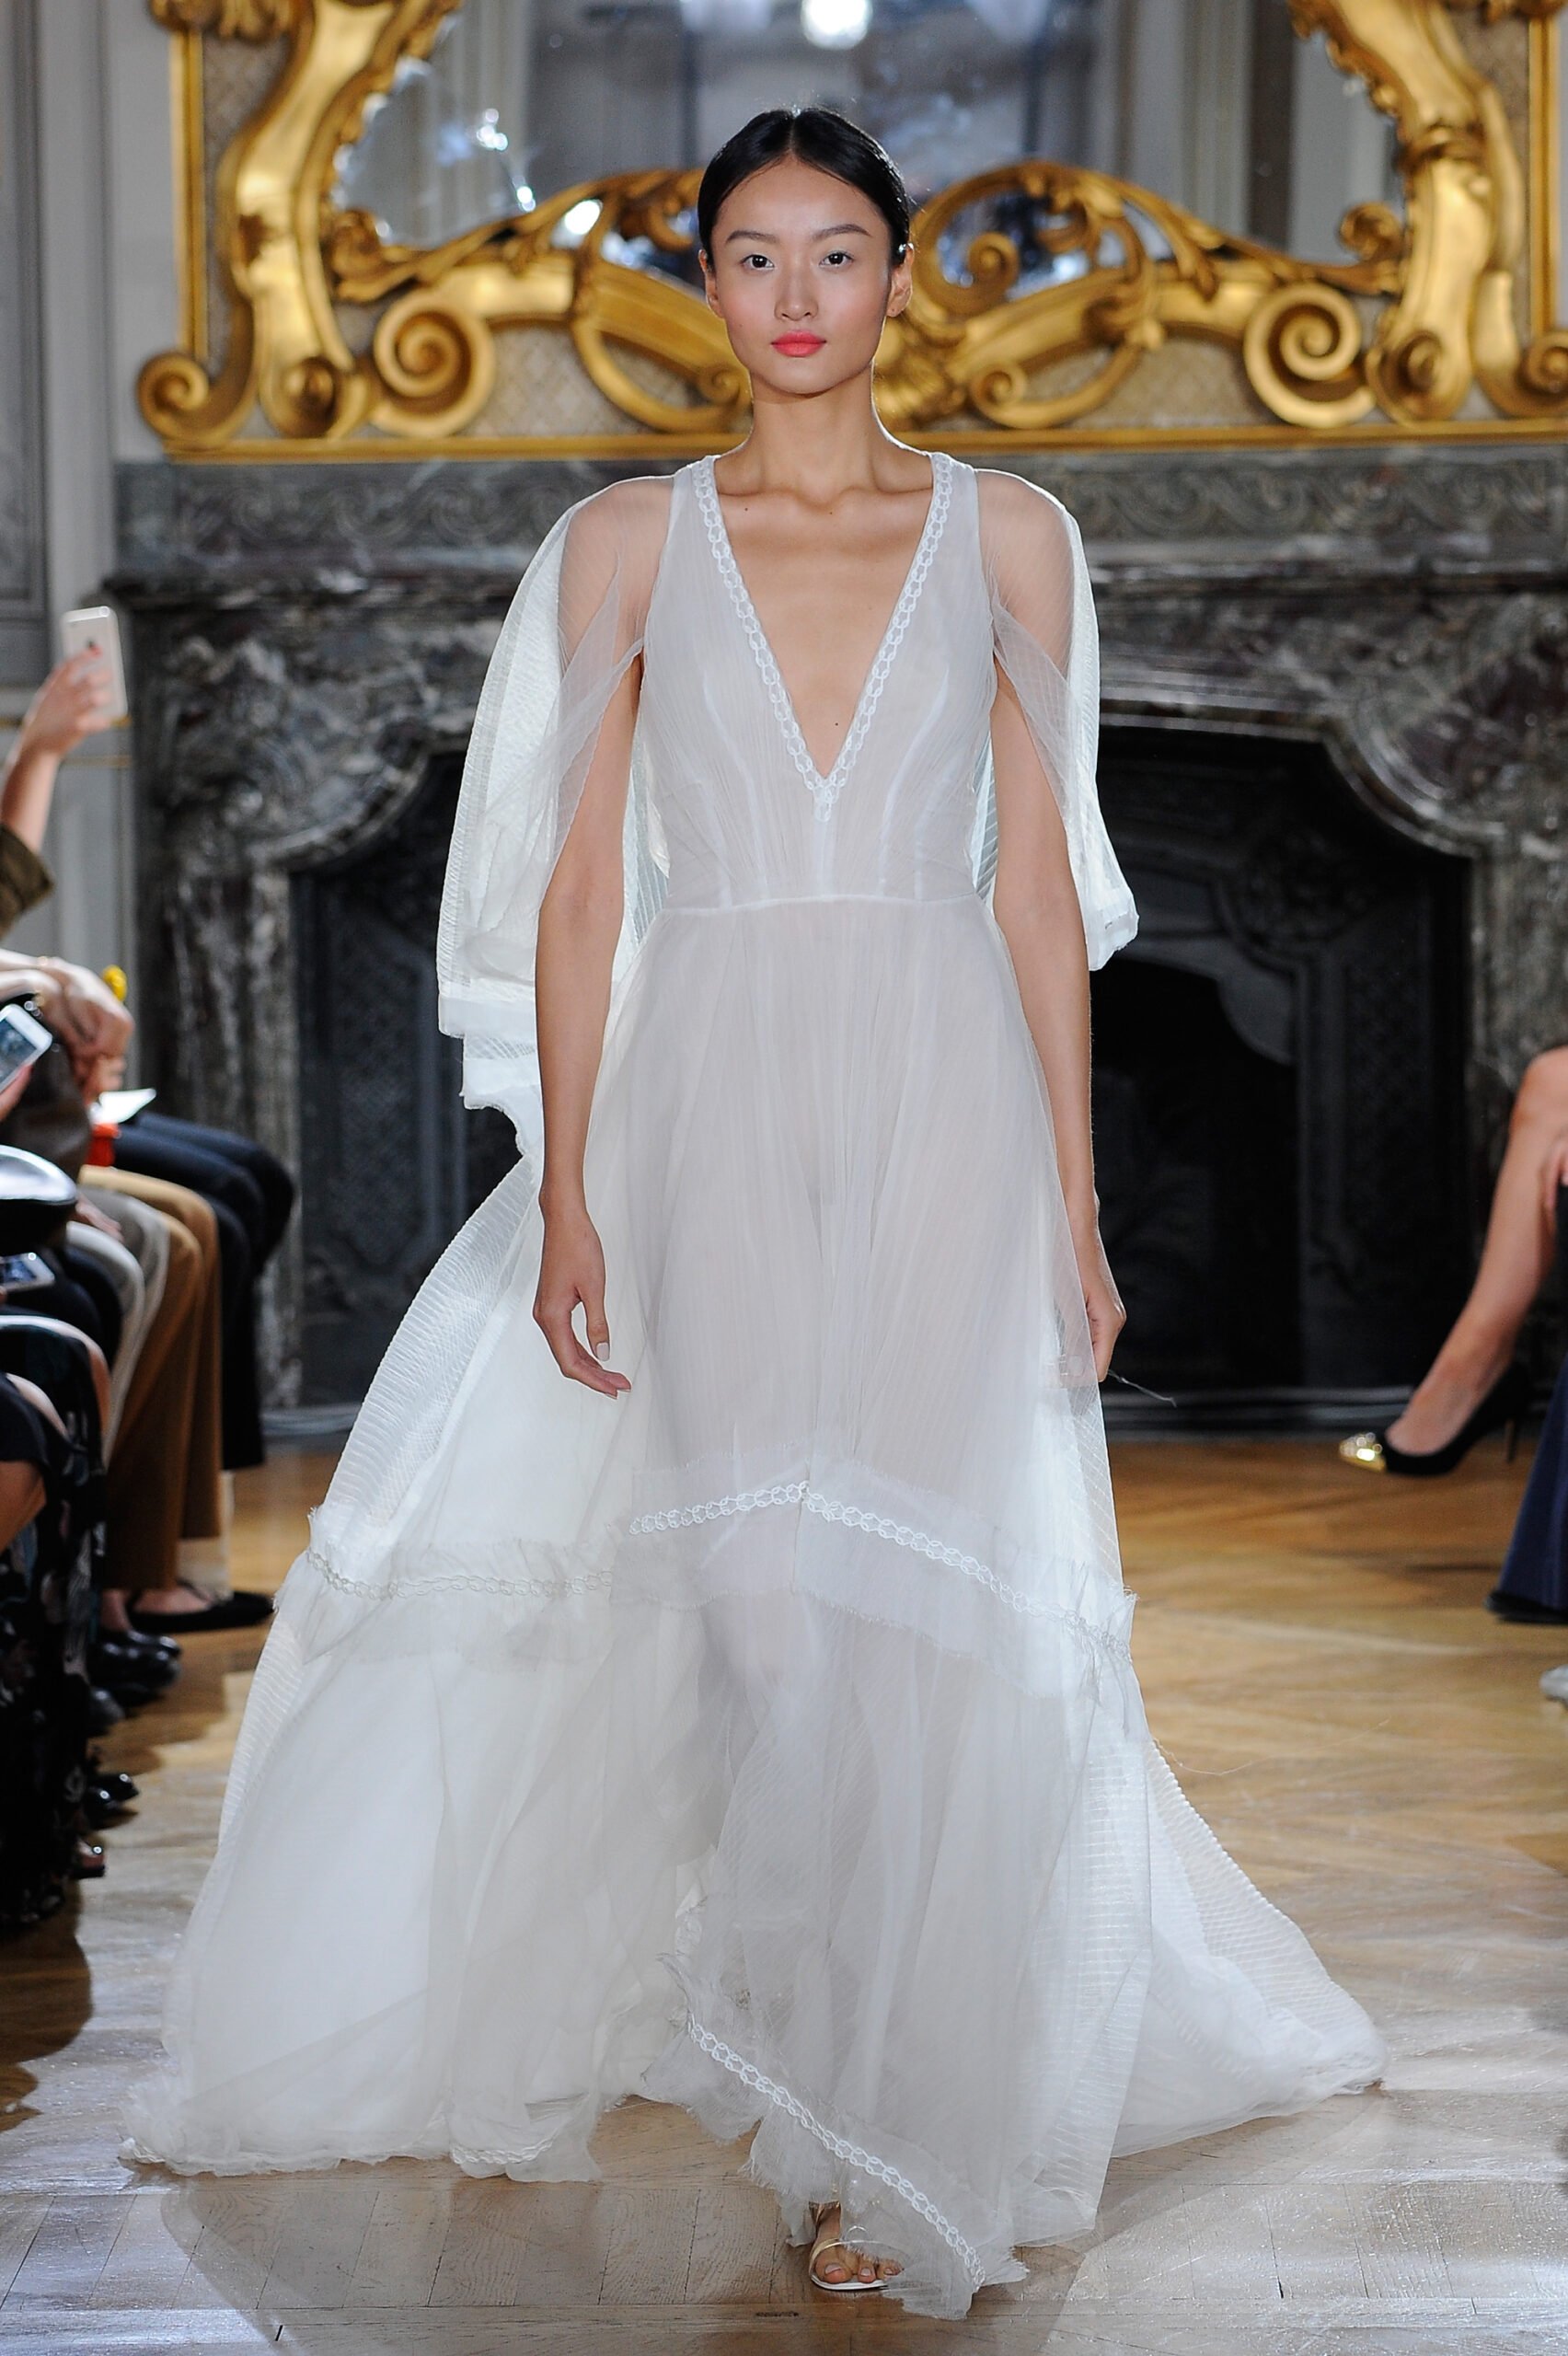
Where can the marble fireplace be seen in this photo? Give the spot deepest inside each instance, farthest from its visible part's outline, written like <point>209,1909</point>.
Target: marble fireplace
<point>1336,737</point>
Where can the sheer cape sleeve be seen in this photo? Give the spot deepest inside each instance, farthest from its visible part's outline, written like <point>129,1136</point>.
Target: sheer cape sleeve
<point>572,631</point>
<point>1047,641</point>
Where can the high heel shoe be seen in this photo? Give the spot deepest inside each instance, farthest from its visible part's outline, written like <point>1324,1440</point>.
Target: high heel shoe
<point>1504,1405</point>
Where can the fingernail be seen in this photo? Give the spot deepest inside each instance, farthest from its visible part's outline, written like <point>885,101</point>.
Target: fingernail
<point>601,1349</point>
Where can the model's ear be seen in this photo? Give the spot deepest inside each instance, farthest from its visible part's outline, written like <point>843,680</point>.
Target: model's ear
<point>902,284</point>
<point>710,285</point>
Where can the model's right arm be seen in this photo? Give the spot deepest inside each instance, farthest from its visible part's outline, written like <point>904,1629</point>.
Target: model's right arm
<point>580,921</point>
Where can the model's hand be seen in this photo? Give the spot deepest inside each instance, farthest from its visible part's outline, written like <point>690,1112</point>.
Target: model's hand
<point>571,1269</point>
<point>1103,1302</point>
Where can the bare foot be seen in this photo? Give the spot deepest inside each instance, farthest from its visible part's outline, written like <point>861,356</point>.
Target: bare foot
<point>1443,1403</point>
<point>839,2260</point>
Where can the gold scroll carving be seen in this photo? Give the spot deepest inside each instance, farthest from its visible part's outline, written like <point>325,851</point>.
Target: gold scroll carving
<point>1408,330</point>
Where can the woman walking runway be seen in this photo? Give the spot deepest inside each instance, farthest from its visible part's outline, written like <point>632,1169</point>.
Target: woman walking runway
<point>730,1703</point>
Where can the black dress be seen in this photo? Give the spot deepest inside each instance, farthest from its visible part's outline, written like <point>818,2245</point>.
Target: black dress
<point>1534,1584</point>
<point>47,1576</point>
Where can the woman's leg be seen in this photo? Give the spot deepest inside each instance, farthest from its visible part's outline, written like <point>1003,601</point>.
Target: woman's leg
<point>144,1244</point>
<point>154,1136</point>
<point>232,1175</point>
<point>1514,1264</point>
<point>148,1471</point>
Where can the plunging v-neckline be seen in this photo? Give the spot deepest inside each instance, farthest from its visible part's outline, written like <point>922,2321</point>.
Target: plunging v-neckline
<point>826,790</point>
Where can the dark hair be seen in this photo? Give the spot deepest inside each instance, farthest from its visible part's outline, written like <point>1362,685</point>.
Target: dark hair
<point>817,135</point>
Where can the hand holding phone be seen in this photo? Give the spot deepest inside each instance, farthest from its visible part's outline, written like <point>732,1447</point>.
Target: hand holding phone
<point>22,1040</point>
<point>95,629</point>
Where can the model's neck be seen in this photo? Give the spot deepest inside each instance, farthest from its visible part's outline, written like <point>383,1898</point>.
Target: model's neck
<point>832,442</point>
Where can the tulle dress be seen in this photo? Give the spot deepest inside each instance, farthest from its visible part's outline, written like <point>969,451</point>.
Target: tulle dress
<point>764,1741</point>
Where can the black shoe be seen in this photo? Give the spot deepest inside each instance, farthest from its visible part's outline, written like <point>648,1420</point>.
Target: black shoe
<point>149,1647</point>
<point>1524,1608</point>
<point>114,1663</point>
<point>103,1710</point>
<point>1503,1406</point>
<point>101,1805</point>
<point>243,1608</point>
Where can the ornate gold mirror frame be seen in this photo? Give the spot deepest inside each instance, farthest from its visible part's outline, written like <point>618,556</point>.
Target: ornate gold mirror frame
<point>304,336</point>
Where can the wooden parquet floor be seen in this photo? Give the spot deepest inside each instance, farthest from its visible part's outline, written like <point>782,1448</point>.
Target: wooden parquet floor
<point>1367,1741</point>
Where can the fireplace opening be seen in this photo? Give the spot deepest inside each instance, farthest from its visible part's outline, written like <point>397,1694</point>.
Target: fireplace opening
<point>1280,1138</point>
<point>1196,1137</point>
<point>391,1161</point>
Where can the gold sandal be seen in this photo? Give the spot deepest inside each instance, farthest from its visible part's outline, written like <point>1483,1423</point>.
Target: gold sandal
<point>825,2240</point>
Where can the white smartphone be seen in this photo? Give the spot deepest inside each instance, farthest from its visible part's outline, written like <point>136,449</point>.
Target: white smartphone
<point>22,1040</point>
<point>99,626</point>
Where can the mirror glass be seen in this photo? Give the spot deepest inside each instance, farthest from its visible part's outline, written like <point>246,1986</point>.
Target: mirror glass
<point>1214,104</point>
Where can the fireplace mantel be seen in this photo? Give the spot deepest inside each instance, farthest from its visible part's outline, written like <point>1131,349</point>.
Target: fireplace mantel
<point>306,640</point>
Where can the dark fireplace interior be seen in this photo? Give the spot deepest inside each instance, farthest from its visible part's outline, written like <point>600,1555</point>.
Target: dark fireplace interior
<point>1279,1077</point>
<point>1280,1131</point>
<point>392,1163</point>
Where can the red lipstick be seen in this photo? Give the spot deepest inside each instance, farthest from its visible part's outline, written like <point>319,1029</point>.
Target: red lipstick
<point>799,345</point>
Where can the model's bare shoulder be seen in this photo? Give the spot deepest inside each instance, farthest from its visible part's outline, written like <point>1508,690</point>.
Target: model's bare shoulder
<point>618,531</point>
<point>1027,539</point>
<point>1013,511</point>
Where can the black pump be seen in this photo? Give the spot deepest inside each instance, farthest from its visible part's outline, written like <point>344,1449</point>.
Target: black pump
<point>1503,1407</point>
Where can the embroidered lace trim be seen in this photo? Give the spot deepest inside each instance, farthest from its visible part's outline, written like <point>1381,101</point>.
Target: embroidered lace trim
<point>899,1533</point>
<point>1102,1642</point>
<point>471,1582</point>
<point>826,790</point>
<point>921,2202</point>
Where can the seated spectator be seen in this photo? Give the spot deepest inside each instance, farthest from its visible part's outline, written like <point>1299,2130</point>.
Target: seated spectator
<point>1474,1386</point>
<point>185,1406</point>
<point>1534,1581</point>
<point>68,706</point>
<point>53,1387</point>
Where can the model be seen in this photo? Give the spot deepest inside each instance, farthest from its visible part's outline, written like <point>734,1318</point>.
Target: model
<point>729,1702</point>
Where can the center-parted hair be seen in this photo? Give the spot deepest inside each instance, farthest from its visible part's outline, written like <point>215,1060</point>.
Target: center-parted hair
<point>819,136</point>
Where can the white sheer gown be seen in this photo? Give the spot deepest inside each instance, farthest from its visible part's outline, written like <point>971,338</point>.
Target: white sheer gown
<point>766,1740</point>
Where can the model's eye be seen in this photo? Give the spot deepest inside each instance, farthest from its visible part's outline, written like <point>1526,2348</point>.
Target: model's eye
<point>837,255</point>
<point>751,258</point>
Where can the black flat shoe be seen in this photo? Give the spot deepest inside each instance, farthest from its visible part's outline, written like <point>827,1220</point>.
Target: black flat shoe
<point>103,1710</point>
<point>100,1806</point>
<point>1502,1408</point>
<point>1524,1609</point>
<point>113,1663</point>
<point>149,1647</point>
<point>243,1608</point>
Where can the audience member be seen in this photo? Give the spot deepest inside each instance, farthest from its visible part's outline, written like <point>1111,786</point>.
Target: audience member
<point>1534,1581</point>
<point>127,1376</point>
<point>1474,1386</point>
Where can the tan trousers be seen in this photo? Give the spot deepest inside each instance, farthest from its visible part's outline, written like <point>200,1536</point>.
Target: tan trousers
<point>165,1474</point>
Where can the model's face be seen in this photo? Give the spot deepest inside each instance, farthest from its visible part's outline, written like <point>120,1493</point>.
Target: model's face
<point>800,274</point>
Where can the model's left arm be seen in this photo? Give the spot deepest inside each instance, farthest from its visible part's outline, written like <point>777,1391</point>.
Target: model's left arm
<point>1058,897</point>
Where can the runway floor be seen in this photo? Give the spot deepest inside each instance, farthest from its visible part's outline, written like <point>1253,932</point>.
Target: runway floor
<point>1367,1741</point>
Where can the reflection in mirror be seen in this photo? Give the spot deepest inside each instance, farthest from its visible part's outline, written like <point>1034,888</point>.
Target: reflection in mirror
<point>1213,104</point>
